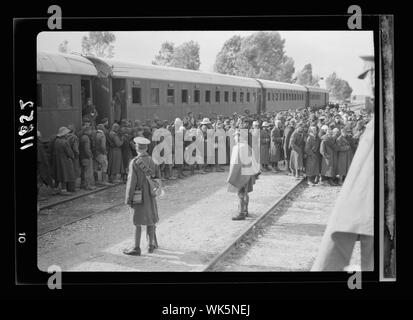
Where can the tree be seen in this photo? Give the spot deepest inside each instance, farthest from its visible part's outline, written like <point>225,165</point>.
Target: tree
<point>305,77</point>
<point>64,47</point>
<point>99,44</point>
<point>226,59</point>
<point>185,56</point>
<point>339,89</point>
<point>164,56</point>
<point>260,55</point>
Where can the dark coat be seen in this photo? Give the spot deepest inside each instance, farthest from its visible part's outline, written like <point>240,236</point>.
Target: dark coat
<point>126,150</point>
<point>288,131</point>
<point>43,168</point>
<point>265,140</point>
<point>328,153</point>
<point>312,163</point>
<point>296,145</point>
<point>344,155</point>
<point>63,157</point>
<point>74,144</point>
<point>115,154</point>
<point>276,145</point>
<point>147,212</point>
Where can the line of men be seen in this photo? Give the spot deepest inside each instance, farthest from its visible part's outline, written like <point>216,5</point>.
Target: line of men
<point>318,144</point>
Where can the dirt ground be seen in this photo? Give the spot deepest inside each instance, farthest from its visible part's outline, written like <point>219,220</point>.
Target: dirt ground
<point>289,238</point>
<point>195,225</point>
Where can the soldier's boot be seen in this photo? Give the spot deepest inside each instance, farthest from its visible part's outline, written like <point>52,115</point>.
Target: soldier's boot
<point>180,172</point>
<point>105,179</point>
<point>150,231</point>
<point>241,212</point>
<point>136,251</point>
<point>246,202</point>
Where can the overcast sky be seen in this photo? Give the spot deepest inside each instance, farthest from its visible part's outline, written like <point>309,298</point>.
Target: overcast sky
<point>327,51</point>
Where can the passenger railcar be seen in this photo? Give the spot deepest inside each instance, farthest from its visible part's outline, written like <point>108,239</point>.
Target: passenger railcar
<point>317,97</point>
<point>278,96</point>
<point>130,91</point>
<point>64,83</point>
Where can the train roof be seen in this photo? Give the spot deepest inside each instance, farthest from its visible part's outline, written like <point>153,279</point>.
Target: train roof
<point>64,63</point>
<point>268,84</point>
<point>317,89</point>
<point>129,70</point>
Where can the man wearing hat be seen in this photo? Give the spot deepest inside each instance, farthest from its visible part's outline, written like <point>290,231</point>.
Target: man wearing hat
<point>265,140</point>
<point>204,126</point>
<point>288,131</point>
<point>74,144</point>
<point>86,160</point>
<point>63,159</point>
<point>276,145</point>
<point>328,152</point>
<point>115,168</point>
<point>145,209</point>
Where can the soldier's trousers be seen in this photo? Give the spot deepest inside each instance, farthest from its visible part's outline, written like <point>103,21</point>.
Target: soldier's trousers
<point>243,200</point>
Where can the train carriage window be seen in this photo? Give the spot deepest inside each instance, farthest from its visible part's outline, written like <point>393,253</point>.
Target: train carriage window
<point>155,96</point>
<point>248,97</point>
<point>197,96</point>
<point>184,96</point>
<point>234,96</point>
<point>217,96</point>
<point>207,96</point>
<point>39,95</point>
<point>64,96</point>
<point>136,95</point>
<point>226,96</point>
<point>241,97</point>
<point>268,96</point>
<point>170,96</point>
<point>254,97</point>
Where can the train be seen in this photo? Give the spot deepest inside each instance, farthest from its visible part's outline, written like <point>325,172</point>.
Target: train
<point>121,90</point>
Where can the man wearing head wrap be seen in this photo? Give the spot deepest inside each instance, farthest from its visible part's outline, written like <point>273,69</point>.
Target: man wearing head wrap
<point>115,169</point>
<point>328,150</point>
<point>312,165</point>
<point>241,177</point>
<point>344,155</point>
<point>297,149</point>
<point>276,145</point>
<point>288,131</point>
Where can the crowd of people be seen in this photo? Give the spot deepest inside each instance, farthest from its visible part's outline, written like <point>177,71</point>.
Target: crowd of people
<point>317,144</point>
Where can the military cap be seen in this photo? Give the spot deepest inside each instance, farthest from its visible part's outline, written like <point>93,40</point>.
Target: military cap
<point>141,140</point>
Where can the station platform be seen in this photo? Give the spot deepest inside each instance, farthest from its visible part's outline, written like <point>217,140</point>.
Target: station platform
<point>196,228</point>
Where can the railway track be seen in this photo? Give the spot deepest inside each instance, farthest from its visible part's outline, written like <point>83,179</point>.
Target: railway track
<point>286,238</point>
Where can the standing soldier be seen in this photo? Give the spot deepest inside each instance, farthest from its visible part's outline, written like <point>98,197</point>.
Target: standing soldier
<point>276,145</point>
<point>288,131</point>
<point>328,153</point>
<point>86,160</point>
<point>242,178</point>
<point>312,167</point>
<point>63,160</point>
<point>101,153</point>
<point>139,196</point>
<point>265,140</point>
<point>344,155</point>
<point>74,144</point>
<point>296,145</point>
<point>115,169</point>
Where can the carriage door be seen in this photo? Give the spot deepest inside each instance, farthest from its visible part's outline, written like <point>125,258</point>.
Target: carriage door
<point>86,92</point>
<point>119,99</point>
